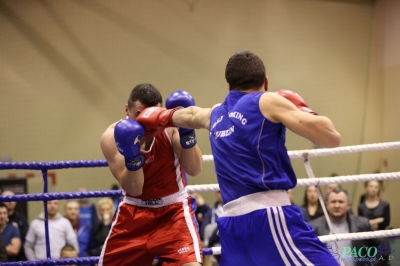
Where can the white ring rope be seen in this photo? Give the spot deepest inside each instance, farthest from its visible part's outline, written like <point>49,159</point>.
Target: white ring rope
<point>359,236</point>
<point>335,151</point>
<point>349,236</point>
<point>313,181</point>
<point>325,181</point>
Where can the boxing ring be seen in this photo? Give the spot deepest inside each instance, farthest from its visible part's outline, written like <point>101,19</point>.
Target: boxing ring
<point>44,167</point>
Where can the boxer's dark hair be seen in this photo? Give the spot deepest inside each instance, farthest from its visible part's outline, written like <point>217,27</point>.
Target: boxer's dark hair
<point>146,93</point>
<point>244,71</point>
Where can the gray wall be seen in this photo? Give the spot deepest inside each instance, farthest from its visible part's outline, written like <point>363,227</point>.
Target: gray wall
<point>67,67</point>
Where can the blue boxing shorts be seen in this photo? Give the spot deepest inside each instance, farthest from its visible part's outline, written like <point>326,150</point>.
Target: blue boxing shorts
<point>264,229</point>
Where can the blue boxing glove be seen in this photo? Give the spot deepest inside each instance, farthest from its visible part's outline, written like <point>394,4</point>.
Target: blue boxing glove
<point>126,134</point>
<point>183,99</point>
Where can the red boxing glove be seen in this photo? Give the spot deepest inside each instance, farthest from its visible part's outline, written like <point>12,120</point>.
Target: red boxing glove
<point>155,120</point>
<point>296,100</point>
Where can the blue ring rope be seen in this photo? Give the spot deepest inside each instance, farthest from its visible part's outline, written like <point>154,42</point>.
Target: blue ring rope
<point>45,196</point>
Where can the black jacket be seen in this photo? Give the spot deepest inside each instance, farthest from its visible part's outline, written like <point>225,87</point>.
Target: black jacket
<point>3,251</point>
<point>356,224</point>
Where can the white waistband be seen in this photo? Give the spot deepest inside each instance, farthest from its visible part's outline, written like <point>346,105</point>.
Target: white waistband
<point>160,202</point>
<point>256,201</point>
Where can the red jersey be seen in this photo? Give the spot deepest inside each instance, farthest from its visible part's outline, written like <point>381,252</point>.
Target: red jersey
<point>163,174</point>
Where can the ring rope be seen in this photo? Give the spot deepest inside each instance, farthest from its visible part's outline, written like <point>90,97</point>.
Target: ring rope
<point>61,195</point>
<point>339,237</point>
<point>318,181</point>
<point>193,188</point>
<point>44,166</point>
<point>64,261</point>
<point>214,250</point>
<point>334,151</point>
<point>206,158</point>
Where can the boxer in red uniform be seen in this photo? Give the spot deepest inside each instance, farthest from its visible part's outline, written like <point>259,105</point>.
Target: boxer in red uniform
<point>156,216</point>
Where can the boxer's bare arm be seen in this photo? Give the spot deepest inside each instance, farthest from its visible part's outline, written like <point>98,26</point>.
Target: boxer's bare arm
<point>193,117</point>
<point>130,181</point>
<point>318,129</point>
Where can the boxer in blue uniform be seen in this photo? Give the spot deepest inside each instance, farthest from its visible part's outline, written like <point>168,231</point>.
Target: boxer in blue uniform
<point>247,136</point>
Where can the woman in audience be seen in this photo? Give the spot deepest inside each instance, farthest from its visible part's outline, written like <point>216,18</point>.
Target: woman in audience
<point>373,208</point>
<point>311,208</point>
<point>105,208</point>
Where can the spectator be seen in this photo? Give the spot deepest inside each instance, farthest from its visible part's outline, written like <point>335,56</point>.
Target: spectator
<point>3,251</point>
<point>19,220</point>
<point>82,228</point>
<point>201,211</point>
<point>116,199</point>
<point>331,187</point>
<point>60,234</point>
<point>69,252</point>
<point>311,208</point>
<point>10,234</point>
<point>210,229</point>
<point>87,210</point>
<point>101,229</point>
<point>381,169</point>
<point>373,208</point>
<point>338,205</point>
<point>290,193</point>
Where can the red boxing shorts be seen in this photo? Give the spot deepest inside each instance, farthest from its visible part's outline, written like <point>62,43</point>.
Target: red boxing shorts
<point>166,228</point>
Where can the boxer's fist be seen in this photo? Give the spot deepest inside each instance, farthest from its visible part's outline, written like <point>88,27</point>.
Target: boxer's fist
<point>296,100</point>
<point>126,134</point>
<point>155,120</point>
<point>183,99</point>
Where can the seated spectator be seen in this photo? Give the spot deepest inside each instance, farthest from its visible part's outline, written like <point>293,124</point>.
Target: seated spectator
<point>201,211</point>
<point>68,252</point>
<point>311,208</point>
<point>3,251</point>
<point>100,230</point>
<point>10,234</point>
<point>376,210</point>
<point>19,220</point>
<point>338,205</point>
<point>82,228</point>
<point>60,232</point>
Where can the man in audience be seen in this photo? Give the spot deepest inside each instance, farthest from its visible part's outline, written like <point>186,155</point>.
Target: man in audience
<point>209,228</point>
<point>87,210</point>
<point>10,234</point>
<point>19,220</point>
<point>60,234</point>
<point>201,211</point>
<point>330,187</point>
<point>338,205</point>
<point>82,228</point>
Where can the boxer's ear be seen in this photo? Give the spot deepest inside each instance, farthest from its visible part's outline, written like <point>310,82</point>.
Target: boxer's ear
<point>266,84</point>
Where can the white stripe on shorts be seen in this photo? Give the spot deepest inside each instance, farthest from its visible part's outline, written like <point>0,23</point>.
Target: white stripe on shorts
<point>189,223</point>
<point>290,240</point>
<point>282,237</point>
<point>278,245</point>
